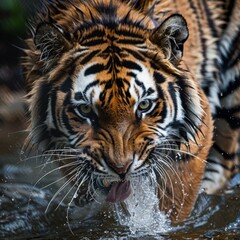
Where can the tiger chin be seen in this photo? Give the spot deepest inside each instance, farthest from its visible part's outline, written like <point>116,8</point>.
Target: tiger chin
<point>108,96</point>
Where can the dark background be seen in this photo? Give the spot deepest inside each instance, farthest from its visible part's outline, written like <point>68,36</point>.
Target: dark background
<point>14,18</point>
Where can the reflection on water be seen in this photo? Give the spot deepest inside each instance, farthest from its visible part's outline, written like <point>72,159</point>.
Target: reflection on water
<point>25,211</point>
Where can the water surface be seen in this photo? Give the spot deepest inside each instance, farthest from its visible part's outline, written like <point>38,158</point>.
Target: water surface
<point>29,209</point>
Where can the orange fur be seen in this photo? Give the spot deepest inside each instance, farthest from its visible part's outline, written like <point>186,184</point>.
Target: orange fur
<point>58,51</point>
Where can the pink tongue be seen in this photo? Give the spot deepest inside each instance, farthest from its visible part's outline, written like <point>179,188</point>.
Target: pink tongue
<point>119,191</point>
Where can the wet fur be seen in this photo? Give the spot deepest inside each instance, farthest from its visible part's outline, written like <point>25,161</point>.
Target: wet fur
<point>55,55</point>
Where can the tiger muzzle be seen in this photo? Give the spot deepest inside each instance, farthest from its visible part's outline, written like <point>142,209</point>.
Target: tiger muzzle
<point>121,169</point>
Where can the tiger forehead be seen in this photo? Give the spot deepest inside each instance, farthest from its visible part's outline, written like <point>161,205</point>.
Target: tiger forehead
<point>96,84</point>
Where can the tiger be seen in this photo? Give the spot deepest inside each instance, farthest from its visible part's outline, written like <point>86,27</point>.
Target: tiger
<point>132,89</point>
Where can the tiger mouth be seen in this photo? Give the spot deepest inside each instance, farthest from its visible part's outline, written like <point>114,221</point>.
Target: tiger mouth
<point>113,191</point>
<point>119,191</point>
<point>116,191</point>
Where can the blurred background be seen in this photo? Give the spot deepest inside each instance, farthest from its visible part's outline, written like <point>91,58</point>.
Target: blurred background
<point>13,118</point>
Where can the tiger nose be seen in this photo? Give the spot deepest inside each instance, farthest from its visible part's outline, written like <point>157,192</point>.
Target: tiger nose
<point>121,169</point>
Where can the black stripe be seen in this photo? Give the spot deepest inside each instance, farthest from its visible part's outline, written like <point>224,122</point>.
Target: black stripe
<point>79,96</point>
<point>131,65</point>
<point>89,57</point>
<point>149,91</point>
<point>208,179</point>
<point>212,161</point>
<point>130,41</point>
<point>209,19</point>
<point>155,112</point>
<point>96,68</point>
<point>140,84</point>
<point>227,114</point>
<point>137,55</point>
<point>53,107</point>
<point>93,42</point>
<point>164,109</point>
<point>211,170</point>
<point>201,35</point>
<point>42,104</point>
<point>232,52</point>
<point>107,9</point>
<point>172,92</point>
<point>190,124</point>
<point>112,49</point>
<point>159,77</point>
<point>90,85</point>
<point>57,133</point>
<point>143,150</point>
<point>66,86</point>
<point>127,92</point>
<point>233,85</point>
<point>119,83</point>
<point>65,121</point>
<point>160,93</point>
<point>96,33</point>
<point>229,11</point>
<point>131,74</point>
<point>226,156</point>
<point>126,32</point>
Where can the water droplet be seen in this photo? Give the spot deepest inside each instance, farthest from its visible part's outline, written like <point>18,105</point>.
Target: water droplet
<point>143,212</point>
<point>178,157</point>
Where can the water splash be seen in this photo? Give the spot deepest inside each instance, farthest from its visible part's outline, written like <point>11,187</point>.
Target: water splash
<point>140,211</point>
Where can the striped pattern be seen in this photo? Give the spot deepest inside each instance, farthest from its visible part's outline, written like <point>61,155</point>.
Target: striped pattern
<point>213,58</point>
<point>107,79</point>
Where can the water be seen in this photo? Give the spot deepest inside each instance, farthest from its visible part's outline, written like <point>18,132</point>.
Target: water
<point>140,210</point>
<point>25,212</point>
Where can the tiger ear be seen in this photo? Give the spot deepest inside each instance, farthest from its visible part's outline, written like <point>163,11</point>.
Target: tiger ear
<point>52,44</point>
<point>170,36</point>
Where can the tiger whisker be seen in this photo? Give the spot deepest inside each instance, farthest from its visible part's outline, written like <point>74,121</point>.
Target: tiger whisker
<point>67,216</point>
<point>162,172</point>
<point>92,187</point>
<point>180,151</point>
<point>54,170</point>
<point>59,190</point>
<point>73,186</point>
<point>90,190</point>
<point>63,150</point>
<point>58,180</point>
<point>167,164</point>
<point>42,156</point>
<point>70,202</point>
<point>31,135</point>
<point>49,161</point>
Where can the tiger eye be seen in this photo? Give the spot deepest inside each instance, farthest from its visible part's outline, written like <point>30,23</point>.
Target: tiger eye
<point>145,105</point>
<point>85,109</point>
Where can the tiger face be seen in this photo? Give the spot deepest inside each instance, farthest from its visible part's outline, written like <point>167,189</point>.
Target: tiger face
<point>113,102</point>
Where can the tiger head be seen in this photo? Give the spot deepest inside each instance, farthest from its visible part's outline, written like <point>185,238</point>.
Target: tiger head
<point>108,95</point>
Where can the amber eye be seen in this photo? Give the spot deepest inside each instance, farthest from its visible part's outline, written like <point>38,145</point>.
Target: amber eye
<point>145,105</point>
<point>85,110</point>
